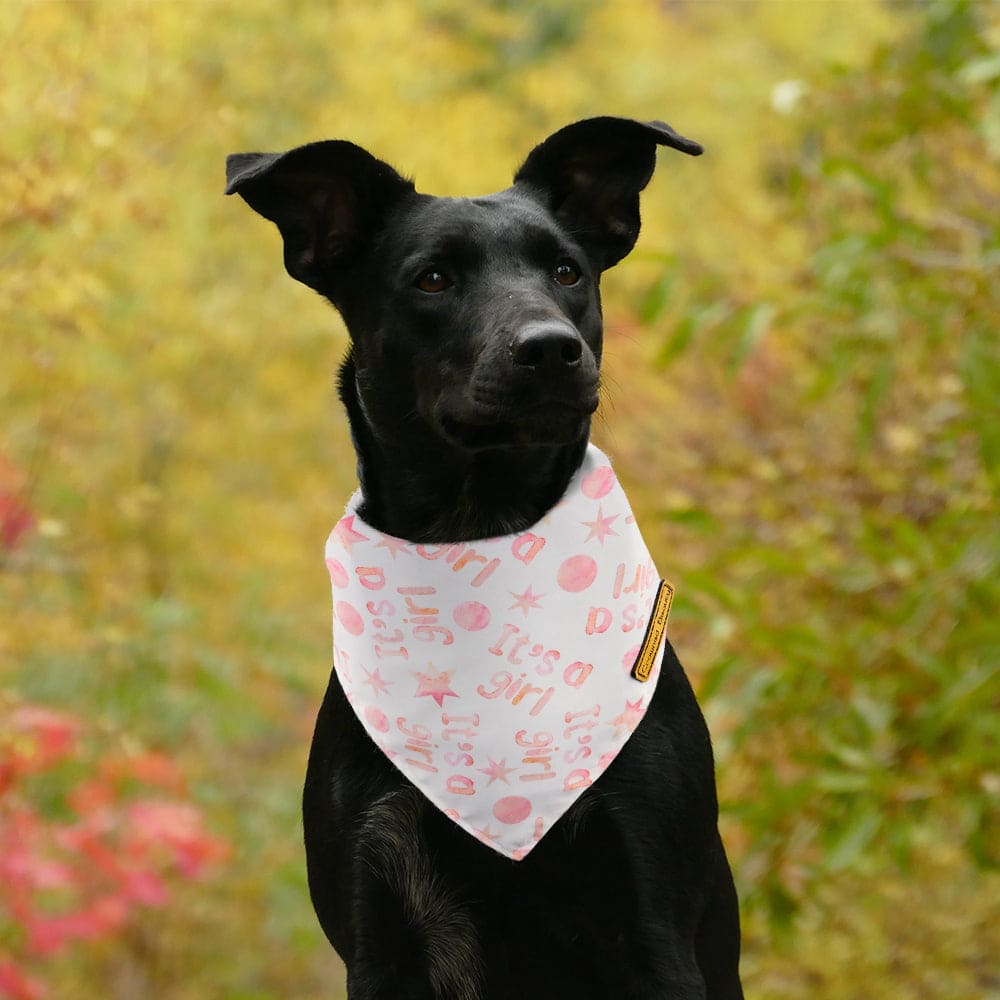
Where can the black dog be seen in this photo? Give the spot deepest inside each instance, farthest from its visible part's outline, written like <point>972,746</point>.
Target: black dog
<point>473,372</point>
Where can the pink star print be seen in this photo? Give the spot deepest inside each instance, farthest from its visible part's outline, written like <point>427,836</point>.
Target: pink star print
<point>497,771</point>
<point>601,527</point>
<point>485,834</point>
<point>629,718</point>
<point>436,686</point>
<point>346,534</point>
<point>376,683</point>
<point>526,601</point>
<point>394,545</point>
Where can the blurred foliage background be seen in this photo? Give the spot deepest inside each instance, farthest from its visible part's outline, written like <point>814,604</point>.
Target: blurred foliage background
<point>801,393</point>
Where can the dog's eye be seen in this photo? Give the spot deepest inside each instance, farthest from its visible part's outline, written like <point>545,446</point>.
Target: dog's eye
<point>567,273</point>
<point>433,281</point>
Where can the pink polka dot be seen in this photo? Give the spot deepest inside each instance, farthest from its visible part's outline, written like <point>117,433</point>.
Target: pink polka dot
<point>628,660</point>
<point>337,572</point>
<point>577,573</point>
<point>472,616</point>
<point>377,718</point>
<point>512,809</point>
<point>349,618</point>
<point>598,483</point>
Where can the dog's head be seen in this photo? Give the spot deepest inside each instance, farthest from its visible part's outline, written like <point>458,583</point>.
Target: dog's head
<point>476,320</point>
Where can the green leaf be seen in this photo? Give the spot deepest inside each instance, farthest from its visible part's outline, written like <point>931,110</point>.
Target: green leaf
<point>849,845</point>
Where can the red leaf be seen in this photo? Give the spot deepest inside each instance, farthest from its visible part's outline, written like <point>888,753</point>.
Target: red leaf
<point>91,796</point>
<point>54,734</point>
<point>177,826</point>
<point>100,919</point>
<point>16,520</point>
<point>18,985</point>
<point>144,887</point>
<point>156,769</point>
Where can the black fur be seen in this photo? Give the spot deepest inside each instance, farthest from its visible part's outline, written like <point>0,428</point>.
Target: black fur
<point>473,372</point>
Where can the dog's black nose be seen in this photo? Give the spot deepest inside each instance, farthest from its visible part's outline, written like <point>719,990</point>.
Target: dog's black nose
<point>550,347</point>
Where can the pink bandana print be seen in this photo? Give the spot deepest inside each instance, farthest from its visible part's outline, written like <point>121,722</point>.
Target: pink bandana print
<point>495,674</point>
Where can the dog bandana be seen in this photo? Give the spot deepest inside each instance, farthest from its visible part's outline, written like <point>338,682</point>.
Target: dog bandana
<point>502,676</point>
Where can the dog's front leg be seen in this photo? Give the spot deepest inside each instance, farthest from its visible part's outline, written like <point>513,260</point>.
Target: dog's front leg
<point>402,952</point>
<point>652,965</point>
<point>383,984</point>
<point>413,937</point>
<point>385,961</point>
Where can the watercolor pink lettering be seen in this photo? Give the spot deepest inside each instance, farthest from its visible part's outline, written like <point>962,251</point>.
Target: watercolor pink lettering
<point>519,643</point>
<point>525,547</point>
<point>548,663</point>
<point>523,642</point>
<point>460,757</point>
<point>464,728</point>
<point>385,652</point>
<point>430,633</point>
<point>593,713</point>
<point>577,673</point>
<point>585,720</point>
<point>371,577</point>
<point>515,690</point>
<point>466,732</point>
<point>508,630</point>
<point>387,644</point>
<point>471,556</point>
<point>423,618</point>
<point>538,755</point>
<point>528,690</point>
<point>460,784</point>
<point>412,608</point>
<point>427,616</point>
<point>418,742</point>
<point>585,725</point>
<point>598,621</point>
<point>501,679</point>
<point>580,778</point>
<point>637,615</point>
<point>433,551</point>
<point>641,577</point>
<point>417,731</point>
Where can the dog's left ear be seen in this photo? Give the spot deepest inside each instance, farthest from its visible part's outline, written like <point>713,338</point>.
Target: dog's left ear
<point>589,176</point>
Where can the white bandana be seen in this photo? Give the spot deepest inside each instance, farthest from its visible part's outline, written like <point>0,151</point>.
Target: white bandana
<point>500,675</point>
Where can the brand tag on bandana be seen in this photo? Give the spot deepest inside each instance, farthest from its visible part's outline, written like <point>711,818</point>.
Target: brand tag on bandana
<point>502,676</point>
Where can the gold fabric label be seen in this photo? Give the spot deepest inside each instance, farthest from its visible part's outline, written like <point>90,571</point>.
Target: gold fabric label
<point>646,659</point>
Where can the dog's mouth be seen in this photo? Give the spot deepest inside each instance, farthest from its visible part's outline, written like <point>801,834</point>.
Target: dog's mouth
<point>475,436</point>
<point>551,422</point>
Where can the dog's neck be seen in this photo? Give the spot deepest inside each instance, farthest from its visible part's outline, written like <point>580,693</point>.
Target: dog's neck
<point>437,493</point>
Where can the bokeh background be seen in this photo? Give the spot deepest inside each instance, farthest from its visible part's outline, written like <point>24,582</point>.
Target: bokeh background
<point>801,395</point>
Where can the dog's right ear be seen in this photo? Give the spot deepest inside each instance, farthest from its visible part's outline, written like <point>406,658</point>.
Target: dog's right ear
<point>326,199</point>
